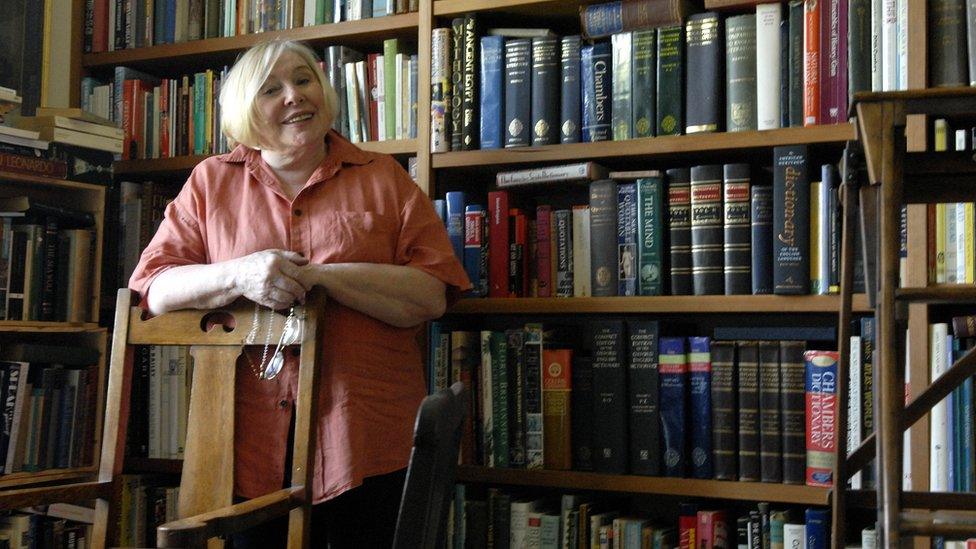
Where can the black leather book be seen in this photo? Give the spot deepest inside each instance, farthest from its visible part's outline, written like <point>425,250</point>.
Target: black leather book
<point>747,369</point>
<point>795,46</point>
<point>791,220</point>
<point>670,80</point>
<point>679,229</point>
<point>770,434</point>
<point>606,338</point>
<point>645,416</point>
<point>740,65</point>
<point>706,230</point>
<point>470,86</point>
<point>737,242</point>
<point>518,90</point>
<point>725,428</point>
<point>793,400</point>
<point>545,90</point>
<point>704,98</point>
<point>762,239</point>
<point>569,96</point>
<point>603,238</point>
<point>581,413</point>
<point>457,81</point>
<point>644,82</point>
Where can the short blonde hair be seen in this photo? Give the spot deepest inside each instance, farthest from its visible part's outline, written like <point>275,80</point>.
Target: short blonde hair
<point>238,115</point>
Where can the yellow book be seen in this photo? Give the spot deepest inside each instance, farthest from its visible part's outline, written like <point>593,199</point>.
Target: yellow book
<point>816,284</point>
<point>941,137</point>
<point>970,240</point>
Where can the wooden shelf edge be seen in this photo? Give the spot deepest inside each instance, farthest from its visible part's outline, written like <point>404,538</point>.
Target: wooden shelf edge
<point>713,489</point>
<point>648,146</point>
<point>659,304</point>
<point>333,31</point>
<point>443,8</point>
<point>52,181</point>
<point>31,478</point>
<point>32,326</point>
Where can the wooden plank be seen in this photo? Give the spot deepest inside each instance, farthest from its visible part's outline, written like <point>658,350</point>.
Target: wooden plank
<point>941,293</point>
<point>551,8</point>
<point>657,304</point>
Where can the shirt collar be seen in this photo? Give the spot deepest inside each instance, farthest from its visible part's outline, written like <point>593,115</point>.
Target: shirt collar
<point>341,151</point>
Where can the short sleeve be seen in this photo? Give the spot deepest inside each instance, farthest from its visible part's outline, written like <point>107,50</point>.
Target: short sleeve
<point>178,241</point>
<point>423,242</point>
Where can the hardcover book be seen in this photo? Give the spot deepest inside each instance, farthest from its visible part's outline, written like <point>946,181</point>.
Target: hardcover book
<point>606,339</point>
<point>769,51</point>
<point>623,100</point>
<point>644,417</point>
<point>644,82</point>
<point>582,172</point>
<point>492,86</point>
<point>741,72</point>
<point>791,220</point>
<point>670,81</point>
<point>679,228</point>
<point>700,401</point>
<point>762,239</point>
<point>725,456</point>
<point>596,65</point>
<point>603,238</point>
<point>598,20</point>
<point>736,228</point>
<point>581,413</point>
<point>470,132</point>
<point>457,82</point>
<point>569,119</point>
<point>650,235</point>
<point>627,239</point>
<point>557,409</point>
<point>673,375</point>
<point>518,92</point>
<point>748,382</point>
<point>821,410</point>
<point>706,230</point>
<point>793,418</point>
<point>535,399</point>
<point>704,99</point>
<point>770,431</point>
<point>545,90</point>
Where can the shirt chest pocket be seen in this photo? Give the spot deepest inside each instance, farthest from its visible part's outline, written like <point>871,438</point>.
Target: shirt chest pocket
<point>354,237</point>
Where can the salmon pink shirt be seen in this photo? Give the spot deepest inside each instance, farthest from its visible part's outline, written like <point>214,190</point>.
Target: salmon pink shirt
<point>356,207</point>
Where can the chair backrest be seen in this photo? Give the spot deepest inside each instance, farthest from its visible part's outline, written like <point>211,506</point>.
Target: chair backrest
<point>433,465</point>
<point>216,339</point>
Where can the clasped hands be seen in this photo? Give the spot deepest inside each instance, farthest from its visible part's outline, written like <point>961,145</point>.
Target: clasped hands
<point>274,278</point>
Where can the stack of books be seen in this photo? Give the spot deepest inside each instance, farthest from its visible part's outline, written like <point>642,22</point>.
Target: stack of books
<point>72,126</point>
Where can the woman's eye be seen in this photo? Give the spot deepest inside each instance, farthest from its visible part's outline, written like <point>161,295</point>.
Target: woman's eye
<point>303,81</point>
<point>270,91</point>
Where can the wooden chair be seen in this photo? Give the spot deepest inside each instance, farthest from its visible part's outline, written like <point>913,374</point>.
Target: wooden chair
<point>430,477</point>
<point>206,487</point>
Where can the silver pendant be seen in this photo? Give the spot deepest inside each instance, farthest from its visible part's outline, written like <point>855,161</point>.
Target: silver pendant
<point>274,366</point>
<point>291,332</point>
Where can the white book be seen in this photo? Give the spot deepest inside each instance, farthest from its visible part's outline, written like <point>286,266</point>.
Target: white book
<point>961,249</point>
<point>487,423</point>
<point>363,91</point>
<point>794,536</point>
<point>581,251</point>
<point>440,84</point>
<point>379,95</point>
<point>23,133</point>
<point>308,18</point>
<point>854,426</point>
<point>352,103</point>
<point>901,41</point>
<point>938,425</point>
<point>768,50</point>
<point>950,243</point>
<point>889,45</point>
<point>400,85</point>
<point>869,538</point>
<point>519,522</point>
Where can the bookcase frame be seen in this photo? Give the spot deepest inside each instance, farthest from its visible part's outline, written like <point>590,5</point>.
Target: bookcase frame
<point>430,167</point>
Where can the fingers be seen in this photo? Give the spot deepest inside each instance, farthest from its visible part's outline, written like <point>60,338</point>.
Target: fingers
<point>294,257</point>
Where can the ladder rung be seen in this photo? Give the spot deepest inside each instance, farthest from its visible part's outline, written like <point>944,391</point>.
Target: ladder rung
<point>939,523</point>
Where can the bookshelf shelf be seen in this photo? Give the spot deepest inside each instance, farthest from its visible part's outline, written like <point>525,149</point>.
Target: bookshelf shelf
<point>685,487</point>
<point>214,51</point>
<point>665,147</point>
<point>658,304</point>
<point>444,8</point>
<point>180,165</point>
<point>8,177</point>
<point>731,5</point>
<point>27,478</point>
<point>15,326</point>
<point>942,293</point>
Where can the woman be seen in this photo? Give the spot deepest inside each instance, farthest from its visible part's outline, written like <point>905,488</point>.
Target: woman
<point>293,206</point>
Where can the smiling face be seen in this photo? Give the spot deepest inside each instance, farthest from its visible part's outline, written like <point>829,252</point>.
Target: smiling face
<point>290,106</point>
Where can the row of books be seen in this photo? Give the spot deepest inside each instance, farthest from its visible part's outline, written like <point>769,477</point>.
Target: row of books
<point>951,444</point>
<point>950,244</point>
<point>503,519</point>
<point>119,24</point>
<point>44,527</point>
<point>141,206</point>
<point>145,503</point>
<point>66,147</point>
<point>746,72</point>
<point>46,262</point>
<point>630,401</point>
<point>49,395</point>
<point>707,230</point>
<point>160,402</point>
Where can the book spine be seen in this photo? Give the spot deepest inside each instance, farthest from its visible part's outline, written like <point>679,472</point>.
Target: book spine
<point>457,81</point>
<point>670,81</point>
<point>706,230</point>
<point>673,373</point>
<point>748,378</point>
<point>829,40</point>
<point>515,367</point>
<point>770,434</point>
<point>498,244</point>
<point>762,239</point>
<point>569,96</point>
<point>791,221</point>
<point>609,396</point>
<point>796,58</point>
<point>627,239</point>
<point>644,82</point>
<point>608,18</point>
<point>455,222</point>
<point>725,430</point>
<point>784,73</point>
<point>741,73</point>
<point>440,90</point>
<point>811,63</point>
<point>820,387</point>
<point>768,51</point>
<point>603,238</point>
<point>700,405</point>
<point>534,418</point>
<point>581,251</point>
<point>545,90</point>
<point>736,229</point>
<point>650,199</point>
<point>791,372</point>
<point>470,132</point>
<point>518,254</point>
<point>31,165</point>
<point>544,274</point>
<point>564,252</point>
<point>622,100</point>
<point>948,56</point>
<point>492,84</point>
<point>581,413</point>
<point>645,430</point>
<point>815,529</point>
<point>567,173</point>
<point>557,407</point>
<point>595,70</point>
<point>518,89</point>
<point>679,228</point>
<point>474,223</point>
<point>500,388</point>
<point>971,39</point>
<point>704,99</point>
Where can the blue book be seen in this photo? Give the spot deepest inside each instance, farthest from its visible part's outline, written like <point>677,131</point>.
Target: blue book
<point>159,22</point>
<point>597,80</point>
<point>673,373</point>
<point>966,435</point>
<point>700,383</point>
<point>474,240</point>
<point>569,118</point>
<point>627,239</point>
<point>492,88</point>
<point>122,74</point>
<point>816,529</point>
<point>169,27</point>
<point>455,221</point>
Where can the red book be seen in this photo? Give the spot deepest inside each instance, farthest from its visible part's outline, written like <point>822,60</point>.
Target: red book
<point>687,527</point>
<point>100,26</point>
<point>829,49</point>
<point>498,244</point>
<point>543,218</point>
<point>518,240</point>
<point>712,530</point>
<point>164,115</point>
<point>820,388</point>
<point>129,102</point>
<point>811,63</point>
<point>374,132</point>
<point>32,165</point>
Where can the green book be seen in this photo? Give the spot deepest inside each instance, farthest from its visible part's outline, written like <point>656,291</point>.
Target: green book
<point>670,79</point>
<point>643,85</point>
<point>650,210</point>
<point>391,48</point>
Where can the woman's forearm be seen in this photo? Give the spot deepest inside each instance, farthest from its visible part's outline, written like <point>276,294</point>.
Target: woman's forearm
<point>395,294</point>
<point>192,287</point>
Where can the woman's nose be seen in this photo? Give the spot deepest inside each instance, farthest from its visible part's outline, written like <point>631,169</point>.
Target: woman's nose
<point>293,95</point>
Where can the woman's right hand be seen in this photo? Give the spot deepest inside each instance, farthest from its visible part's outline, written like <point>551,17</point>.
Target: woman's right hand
<point>270,278</point>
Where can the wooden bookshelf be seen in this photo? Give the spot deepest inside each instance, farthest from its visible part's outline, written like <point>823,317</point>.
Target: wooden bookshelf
<point>733,304</point>
<point>27,478</point>
<point>732,5</point>
<point>18,326</point>
<point>672,147</point>
<point>667,486</point>
<point>550,8</point>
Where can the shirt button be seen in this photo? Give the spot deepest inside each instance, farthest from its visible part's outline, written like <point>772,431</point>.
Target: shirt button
<point>283,403</point>
<point>296,351</point>
<point>298,212</point>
